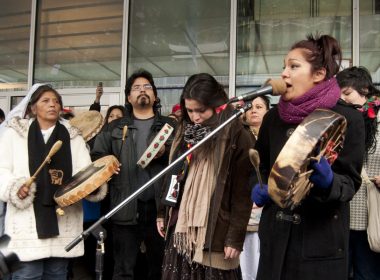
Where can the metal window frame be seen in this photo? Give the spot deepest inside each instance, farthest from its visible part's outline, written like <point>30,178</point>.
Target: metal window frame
<point>32,40</point>
<point>355,33</point>
<point>233,47</point>
<point>124,51</point>
<point>232,71</point>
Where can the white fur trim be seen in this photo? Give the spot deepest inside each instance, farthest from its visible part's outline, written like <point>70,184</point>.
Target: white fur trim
<point>13,197</point>
<point>98,194</point>
<point>21,126</point>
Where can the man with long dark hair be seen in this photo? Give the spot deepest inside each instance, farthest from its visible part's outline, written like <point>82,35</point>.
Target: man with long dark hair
<point>137,221</point>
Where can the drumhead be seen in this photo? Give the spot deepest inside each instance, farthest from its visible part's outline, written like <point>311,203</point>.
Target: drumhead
<point>86,180</point>
<point>89,123</point>
<point>288,182</point>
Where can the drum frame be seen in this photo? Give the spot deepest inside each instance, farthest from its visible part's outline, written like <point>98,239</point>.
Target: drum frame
<point>320,134</point>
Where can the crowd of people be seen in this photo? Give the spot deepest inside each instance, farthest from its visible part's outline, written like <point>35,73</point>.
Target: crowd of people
<point>211,216</point>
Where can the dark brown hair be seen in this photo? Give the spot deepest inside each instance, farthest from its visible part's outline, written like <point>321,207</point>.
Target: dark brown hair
<point>321,51</point>
<point>359,79</point>
<point>141,73</point>
<point>205,89</point>
<point>37,95</point>
<point>110,109</point>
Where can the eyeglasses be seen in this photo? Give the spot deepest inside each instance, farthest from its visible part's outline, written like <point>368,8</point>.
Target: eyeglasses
<point>140,87</point>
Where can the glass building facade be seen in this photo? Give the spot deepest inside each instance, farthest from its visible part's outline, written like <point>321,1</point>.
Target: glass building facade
<point>74,44</point>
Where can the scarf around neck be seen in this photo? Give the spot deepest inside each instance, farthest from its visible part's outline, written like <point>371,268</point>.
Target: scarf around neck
<point>52,176</point>
<point>325,95</point>
<point>195,132</point>
<point>199,185</point>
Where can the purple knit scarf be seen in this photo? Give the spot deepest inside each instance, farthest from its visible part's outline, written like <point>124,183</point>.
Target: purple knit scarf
<point>324,95</point>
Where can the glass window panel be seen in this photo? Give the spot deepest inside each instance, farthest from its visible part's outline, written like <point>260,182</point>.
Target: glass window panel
<point>79,42</point>
<point>14,44</point>
<point>370,37</point>
<point>267,29</point>
<point>174,39</point>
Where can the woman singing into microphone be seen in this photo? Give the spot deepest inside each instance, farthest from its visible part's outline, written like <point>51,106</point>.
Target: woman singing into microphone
<point>315,246</point>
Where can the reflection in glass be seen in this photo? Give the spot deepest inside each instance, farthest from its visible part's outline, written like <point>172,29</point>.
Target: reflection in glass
<point>14,44</point>
<point>370,37</point>
<point>267,29</point>
<point>187,38</point>
<point>174,39</point>
<point>79,42</point>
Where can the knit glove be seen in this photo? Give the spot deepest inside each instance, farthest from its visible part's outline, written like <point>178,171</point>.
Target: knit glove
<point>322,176</point>
<point>260,195</point>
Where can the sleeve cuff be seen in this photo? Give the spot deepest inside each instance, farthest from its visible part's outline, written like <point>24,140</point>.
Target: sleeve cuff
<point>15,200</point>
<point>98,194</point>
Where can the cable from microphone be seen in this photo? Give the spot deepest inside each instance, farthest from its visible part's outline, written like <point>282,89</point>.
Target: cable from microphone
<point>272,86</point>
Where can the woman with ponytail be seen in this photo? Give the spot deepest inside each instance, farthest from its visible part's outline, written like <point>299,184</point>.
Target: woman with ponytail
<point>315,246</point>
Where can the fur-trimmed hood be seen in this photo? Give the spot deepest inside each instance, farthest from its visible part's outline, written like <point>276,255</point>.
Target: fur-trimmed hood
<point>21,126</point>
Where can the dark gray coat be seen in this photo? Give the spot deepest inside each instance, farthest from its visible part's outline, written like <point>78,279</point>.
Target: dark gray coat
<point>109,142</point>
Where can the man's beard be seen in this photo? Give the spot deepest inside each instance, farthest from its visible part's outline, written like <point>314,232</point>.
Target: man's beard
<point>143,100</point>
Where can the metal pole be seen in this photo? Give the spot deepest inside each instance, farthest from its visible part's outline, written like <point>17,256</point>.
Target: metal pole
<point>85,233</point>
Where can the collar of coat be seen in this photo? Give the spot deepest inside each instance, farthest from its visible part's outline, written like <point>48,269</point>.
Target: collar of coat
<point>21,126</point>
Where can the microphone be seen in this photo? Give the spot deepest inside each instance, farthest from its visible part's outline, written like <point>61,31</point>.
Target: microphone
<point>273,87</point>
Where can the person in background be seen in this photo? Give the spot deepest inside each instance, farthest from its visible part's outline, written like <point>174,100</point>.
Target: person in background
<point>2,115</point>
<point>208,198</point>
<point>113,113</point>
<point>357,88</point>
<point>67,114</point>
<point>38,234</point>
<point>176,112</point>
<point>254,116</point>
<point>249,258</point>
<point>2,204</point>
<point>315,246</point>
<point>98,95</point>
<point>136,222</point>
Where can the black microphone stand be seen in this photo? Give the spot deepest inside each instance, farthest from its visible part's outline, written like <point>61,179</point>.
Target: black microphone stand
<point>180,159</point>
<point>99,256</point>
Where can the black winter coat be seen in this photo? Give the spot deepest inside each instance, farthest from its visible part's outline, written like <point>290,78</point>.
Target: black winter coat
<point>109,142</point>
<point>317,247</point>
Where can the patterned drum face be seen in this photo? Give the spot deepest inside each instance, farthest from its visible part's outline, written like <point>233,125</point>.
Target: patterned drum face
<point>86,181</point>
<point>154,147</point>
<point>320,134</point>
<point>89,123</point>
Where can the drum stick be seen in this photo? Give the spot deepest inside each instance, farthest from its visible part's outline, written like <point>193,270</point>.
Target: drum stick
<point>57,145</point>
<point>255,160</point>
<point>125,132</point>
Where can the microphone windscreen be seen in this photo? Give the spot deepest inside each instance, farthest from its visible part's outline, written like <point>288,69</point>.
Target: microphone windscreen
<point>278,86</point>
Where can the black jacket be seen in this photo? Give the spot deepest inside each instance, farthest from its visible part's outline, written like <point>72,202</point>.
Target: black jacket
<point>317,247</point>
<point>109,142</point>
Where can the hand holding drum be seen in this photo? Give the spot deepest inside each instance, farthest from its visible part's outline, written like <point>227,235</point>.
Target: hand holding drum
<point>23,192</point>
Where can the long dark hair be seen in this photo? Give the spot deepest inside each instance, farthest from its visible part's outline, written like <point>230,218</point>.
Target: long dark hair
<point>359,79</point>
<point>141,73</point>
<point>205,89</point>
<point>321,51</point>
<point>110,109</point>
